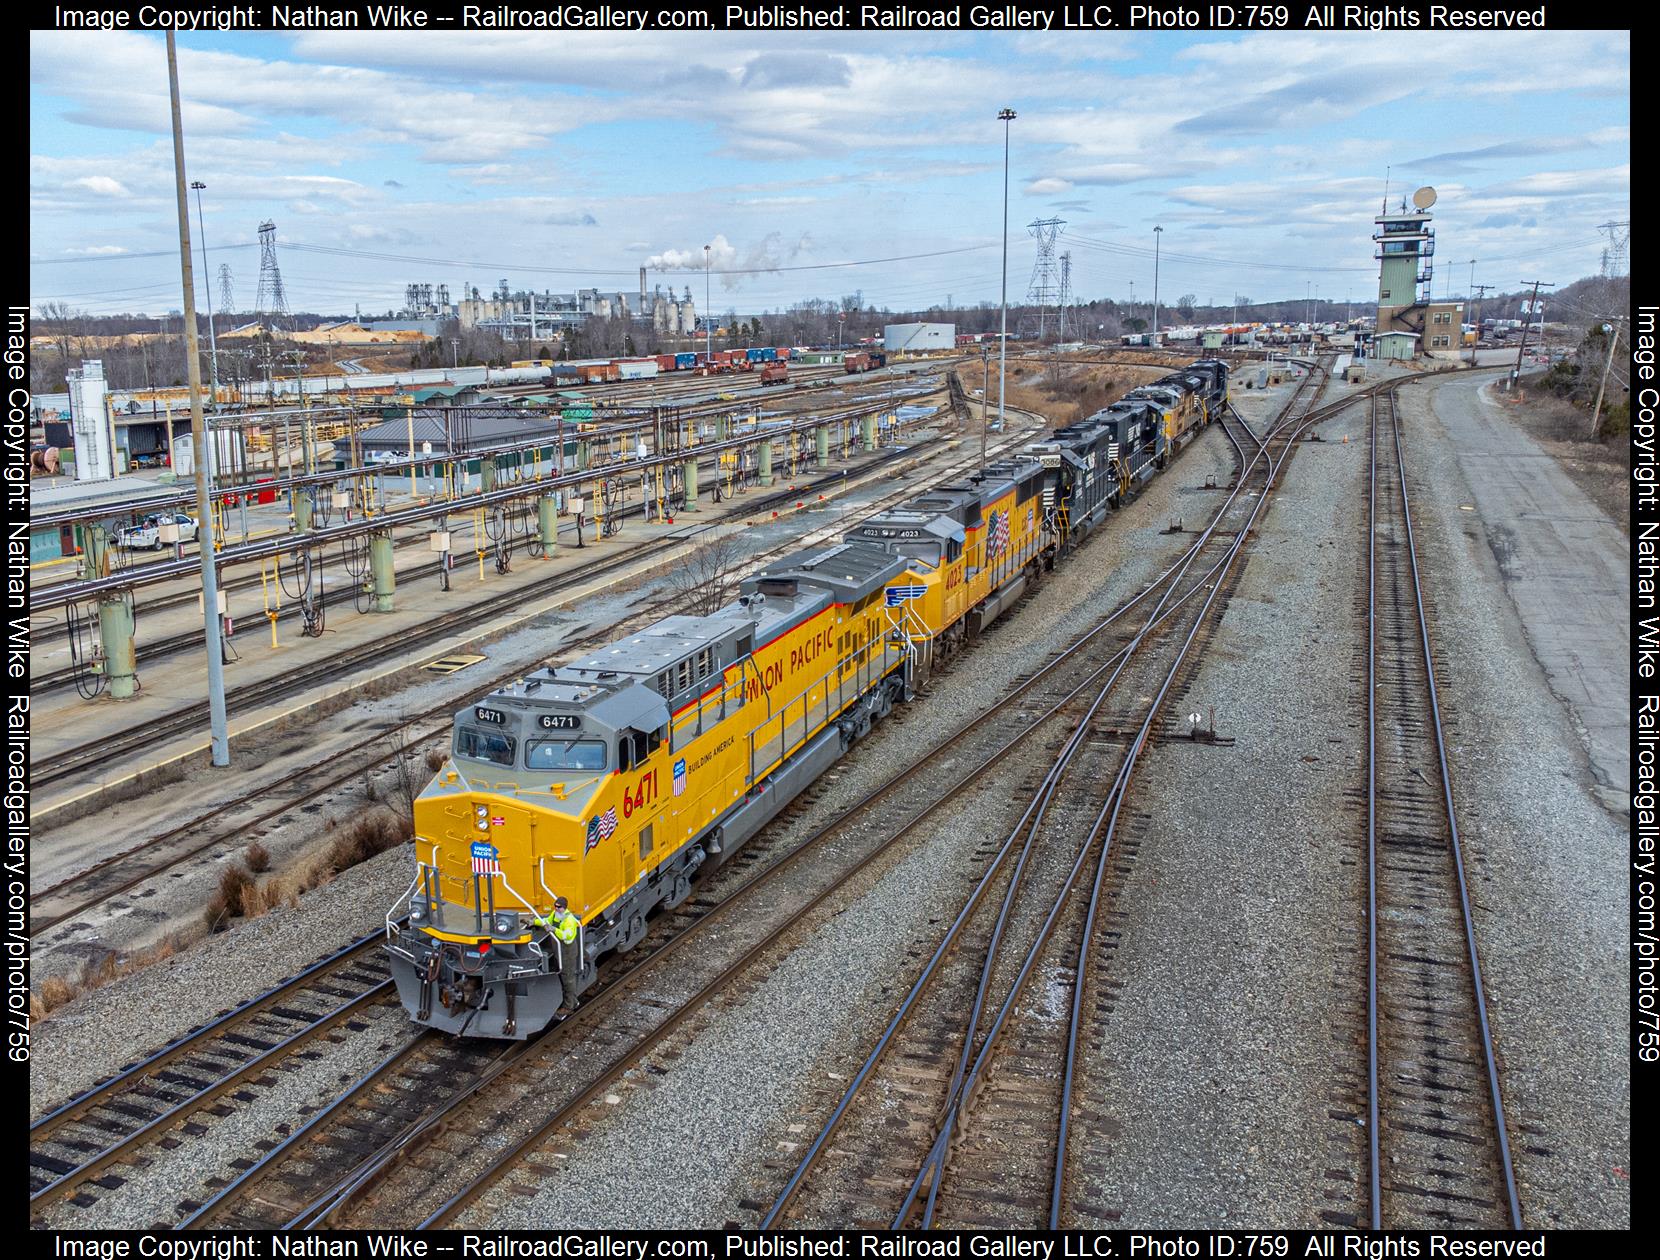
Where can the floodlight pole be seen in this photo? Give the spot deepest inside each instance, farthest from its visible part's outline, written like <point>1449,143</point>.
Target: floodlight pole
<point>198,440</point>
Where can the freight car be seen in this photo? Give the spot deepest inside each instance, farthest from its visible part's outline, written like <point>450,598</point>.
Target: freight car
<point>614,780</point>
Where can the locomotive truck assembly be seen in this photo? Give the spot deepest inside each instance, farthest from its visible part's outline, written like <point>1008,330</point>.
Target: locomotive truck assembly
<point>610,782</point>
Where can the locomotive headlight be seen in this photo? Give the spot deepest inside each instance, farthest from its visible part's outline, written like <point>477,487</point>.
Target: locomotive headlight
<point>417,910</point>
<point>504,925</point>
<point>482,811</point>
<point>484,824</point>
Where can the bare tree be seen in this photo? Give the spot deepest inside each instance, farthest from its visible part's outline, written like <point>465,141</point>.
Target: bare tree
<point>705,578</point>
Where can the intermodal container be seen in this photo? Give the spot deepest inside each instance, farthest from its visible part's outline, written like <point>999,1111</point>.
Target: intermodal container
<point>685,362</point>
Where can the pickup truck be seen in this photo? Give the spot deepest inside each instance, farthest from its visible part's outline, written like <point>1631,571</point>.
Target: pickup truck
<point>146,535</point>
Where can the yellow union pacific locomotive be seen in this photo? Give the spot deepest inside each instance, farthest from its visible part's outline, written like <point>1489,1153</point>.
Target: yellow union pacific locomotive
<point>611,781</point>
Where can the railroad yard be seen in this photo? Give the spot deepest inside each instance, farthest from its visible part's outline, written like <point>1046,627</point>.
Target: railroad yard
<point>586,760</point>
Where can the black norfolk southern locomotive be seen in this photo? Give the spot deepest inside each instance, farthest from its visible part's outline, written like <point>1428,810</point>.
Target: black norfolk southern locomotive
<point>610,782</point>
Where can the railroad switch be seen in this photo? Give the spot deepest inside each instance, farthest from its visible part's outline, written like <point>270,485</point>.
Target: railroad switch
<point>1175,527</point>
<point>1200,733</point>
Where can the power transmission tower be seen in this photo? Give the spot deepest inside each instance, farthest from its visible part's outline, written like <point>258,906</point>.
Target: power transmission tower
<point>1066,290</point>
<point>1046,284</point>
<point>272,302</point>
<point>1619,240</point>
<point>226,303</point>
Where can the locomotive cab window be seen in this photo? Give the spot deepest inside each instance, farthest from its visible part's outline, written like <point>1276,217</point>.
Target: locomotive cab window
<point>565,754</point>
<point>633,747</point>
<point>480,745</point>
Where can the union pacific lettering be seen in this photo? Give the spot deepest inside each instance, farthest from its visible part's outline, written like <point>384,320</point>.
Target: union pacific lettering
<point>765,678</point>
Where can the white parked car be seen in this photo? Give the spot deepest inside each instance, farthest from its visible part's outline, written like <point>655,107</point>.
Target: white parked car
<point>147,534</point>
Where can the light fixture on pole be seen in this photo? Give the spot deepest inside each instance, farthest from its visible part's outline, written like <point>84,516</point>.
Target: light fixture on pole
<point>1157,233</point>
<point>1005,116</point>
<point>708,328</point>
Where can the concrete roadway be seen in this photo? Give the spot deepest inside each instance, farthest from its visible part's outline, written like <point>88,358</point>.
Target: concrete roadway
<point>1564,566</point>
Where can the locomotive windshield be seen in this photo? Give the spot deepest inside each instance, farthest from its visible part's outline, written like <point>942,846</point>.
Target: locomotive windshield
<point>565,754</point>
<point>481,745</point>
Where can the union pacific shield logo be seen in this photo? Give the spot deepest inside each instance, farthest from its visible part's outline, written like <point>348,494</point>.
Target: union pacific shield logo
<point>897,595</point>
<point>680,776</point>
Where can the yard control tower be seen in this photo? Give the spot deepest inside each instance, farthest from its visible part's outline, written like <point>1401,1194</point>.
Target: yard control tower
<point>1405,248</point>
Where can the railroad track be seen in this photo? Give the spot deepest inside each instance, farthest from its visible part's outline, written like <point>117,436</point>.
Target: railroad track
<point>1438,1150</point>
<point>86,1137</point>
<point>247,817</point>
<point>959,1116</point>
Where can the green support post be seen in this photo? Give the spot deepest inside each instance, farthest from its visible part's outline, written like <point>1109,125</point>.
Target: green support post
<point>723,428</point>
<point>766,462</point>
<point>302,511</point>
<point>547,520</point>
<point>821,451</point>
<point>487,473</point>
<point>97,551</point>
<point>868,424</point>
<point>383,577</point>
<point>691,484</point>
<point>115,630</point>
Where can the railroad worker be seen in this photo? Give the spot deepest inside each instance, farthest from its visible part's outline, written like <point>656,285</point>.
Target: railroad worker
<point>564,924</point>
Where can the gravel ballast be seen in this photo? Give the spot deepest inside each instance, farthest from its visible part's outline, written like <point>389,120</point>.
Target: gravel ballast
<point>1213,1075</point>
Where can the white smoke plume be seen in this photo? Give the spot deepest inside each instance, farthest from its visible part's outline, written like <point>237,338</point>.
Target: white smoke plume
<point>769,254</point>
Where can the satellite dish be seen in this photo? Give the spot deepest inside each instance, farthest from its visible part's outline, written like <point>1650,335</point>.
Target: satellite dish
<point>1424,198</point>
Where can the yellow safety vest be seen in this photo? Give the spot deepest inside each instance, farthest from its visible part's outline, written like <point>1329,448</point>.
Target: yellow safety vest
<point>565,927</point>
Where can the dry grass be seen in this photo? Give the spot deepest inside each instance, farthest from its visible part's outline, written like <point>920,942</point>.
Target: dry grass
<point>367,836</point>
<point>1063,392</point>
<point>435,759</point>
<point>258,857</point>
<point>57,990</point>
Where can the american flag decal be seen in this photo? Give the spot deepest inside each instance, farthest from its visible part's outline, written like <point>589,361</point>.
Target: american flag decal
<point>897,595</point>
<point>997,537</point>
<point>593,834</point>
<point>485,860</point>
<point>607,823</point>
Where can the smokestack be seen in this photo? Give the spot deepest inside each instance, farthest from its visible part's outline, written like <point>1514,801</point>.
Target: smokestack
<point>642,290</point>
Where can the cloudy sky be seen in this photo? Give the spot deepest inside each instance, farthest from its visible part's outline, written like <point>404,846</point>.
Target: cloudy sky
<point>569,160</point>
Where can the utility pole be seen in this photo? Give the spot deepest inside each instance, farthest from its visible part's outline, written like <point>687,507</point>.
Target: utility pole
<point>1157,233</point>
<point>1613,333</point>
<point>985,401</point>
<point>1527,320</point>
<point>198,440</point>
<point>1480,291</point>
<point>708,326</point>
<point>207,292</point>
<point>1004,116</point>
